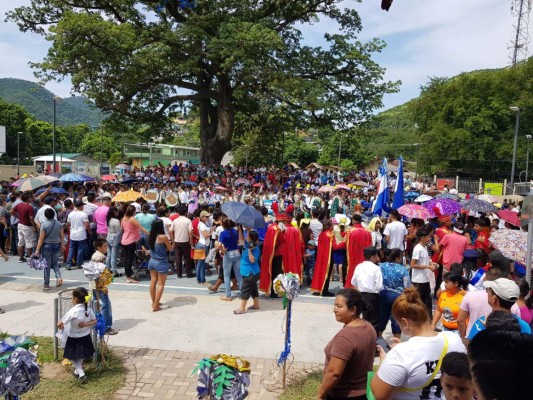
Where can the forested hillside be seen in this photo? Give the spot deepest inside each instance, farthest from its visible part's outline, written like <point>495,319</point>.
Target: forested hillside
<point>39,102</point>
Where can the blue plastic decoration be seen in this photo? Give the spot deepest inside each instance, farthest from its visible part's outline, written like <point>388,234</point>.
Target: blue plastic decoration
<point>100,325</point>
<point>183,4</point>
<point>287,350</point>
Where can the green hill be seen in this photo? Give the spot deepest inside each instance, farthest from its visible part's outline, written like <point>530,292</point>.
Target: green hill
<point>39,102</point>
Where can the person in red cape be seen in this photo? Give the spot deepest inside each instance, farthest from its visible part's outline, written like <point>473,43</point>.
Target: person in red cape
<point>274,248</point>
<point>357,240</point>
<point>324,260</point>
<point>293,259</point>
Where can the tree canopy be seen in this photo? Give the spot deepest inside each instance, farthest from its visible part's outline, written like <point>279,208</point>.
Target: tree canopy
<point>150,59</point>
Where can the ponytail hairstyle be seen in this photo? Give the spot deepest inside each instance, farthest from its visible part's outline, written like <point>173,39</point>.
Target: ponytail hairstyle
<point>354,299</point>
<point>524,291</point>
<point>409,305</point>
<point>392,255</point>
<point>456,278</point>
<point>80,293</point>
<point>419,235</point>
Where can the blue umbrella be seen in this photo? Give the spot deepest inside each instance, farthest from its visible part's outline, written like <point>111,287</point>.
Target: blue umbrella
<point>411,195</point>
<point>243,214</point>
<point>75,178</point>
<point>54,190</point>
<point>190,183</point>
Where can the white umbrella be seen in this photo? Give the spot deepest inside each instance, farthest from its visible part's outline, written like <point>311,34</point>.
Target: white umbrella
<point>423,198</point>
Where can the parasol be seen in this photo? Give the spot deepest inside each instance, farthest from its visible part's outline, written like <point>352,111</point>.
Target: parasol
<point>509,216</point>
<point>108,178</point>
<point>75,178</point>
<point>48,178</point>
<point>243,214</point>
<point>127,196</point>
<point>411,195</point>
<point>326,188</point>
<point>54,190</point>
<point>512,244</point>
<point>123,166</point>
<point>31,184</point>
<point>423,198</point>
<point>190,183</point>
<point>487,197</point>
<point>257,185</point>
<point>242,181</point>
<point>480,206</point>
<point>446,196</point>
<point>432,193</point>
<point>446,206</point>
<point>415,211</point>
<point>343,186</point>
<point>221,188</point>
<point>360,184</point>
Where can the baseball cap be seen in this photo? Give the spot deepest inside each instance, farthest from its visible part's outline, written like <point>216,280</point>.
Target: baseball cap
<point>79,203</point>
<point>204,214</point>
<point>504,288</point>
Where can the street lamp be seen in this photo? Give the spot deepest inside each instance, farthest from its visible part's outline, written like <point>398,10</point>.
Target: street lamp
<point>528,137</point>
<point>516,110</point>
<point>102,148</point>
<point>56,98</point>
<point>18,154</point>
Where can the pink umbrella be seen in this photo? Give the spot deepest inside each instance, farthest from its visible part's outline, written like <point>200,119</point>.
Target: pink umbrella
<point>326,188</point>
<point>242,181</point>
<point>415,211</point>
<point>509,216</point>
<point>342,186</point>
<point>221,188</point>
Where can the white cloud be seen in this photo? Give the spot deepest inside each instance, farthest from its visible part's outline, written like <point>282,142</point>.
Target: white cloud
<point>424,37</point>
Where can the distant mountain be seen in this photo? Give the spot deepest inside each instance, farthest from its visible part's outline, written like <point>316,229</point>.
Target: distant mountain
<point>39,102</point>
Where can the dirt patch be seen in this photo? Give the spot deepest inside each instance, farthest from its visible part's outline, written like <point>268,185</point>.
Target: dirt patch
<point>53,371</point>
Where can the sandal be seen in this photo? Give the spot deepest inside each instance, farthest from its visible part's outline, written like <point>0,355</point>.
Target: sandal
<point>239,312</point>
<point>253,308</point>
<point>59,282</point>
<point>226,298</point>
<point>212,289</point>
<point>131,280</point>
<point>2,311</point>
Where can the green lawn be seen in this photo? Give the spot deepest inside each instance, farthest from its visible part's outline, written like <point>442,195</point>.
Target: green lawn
<point>57,381</point>
<point>306,389</point>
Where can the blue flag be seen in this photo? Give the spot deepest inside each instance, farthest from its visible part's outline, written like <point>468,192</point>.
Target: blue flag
<point>398,200</point>
<point>380,204</point>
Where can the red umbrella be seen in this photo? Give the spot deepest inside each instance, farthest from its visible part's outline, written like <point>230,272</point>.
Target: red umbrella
<point>257,185</point>
<point>509,216</point>
<point>108,178</point>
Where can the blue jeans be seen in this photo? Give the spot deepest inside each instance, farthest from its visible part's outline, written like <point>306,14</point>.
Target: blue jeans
<point>387,298</point>
<point>78,247</point>
<point>50,252</point>
<point>232,259</point>
<point>144,241</point>
<point>14,239</point>
<point>105,308</point>
<point>112,255</point>
<point>200,265</point>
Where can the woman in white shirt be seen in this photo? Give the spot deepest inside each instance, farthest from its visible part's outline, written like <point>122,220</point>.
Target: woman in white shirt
<point>421,267</point>
<point>375,230</point>
<point>204,241</point>
<point>411,366</point>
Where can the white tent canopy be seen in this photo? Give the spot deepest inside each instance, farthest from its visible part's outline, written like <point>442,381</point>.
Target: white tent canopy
<point>51,159</point>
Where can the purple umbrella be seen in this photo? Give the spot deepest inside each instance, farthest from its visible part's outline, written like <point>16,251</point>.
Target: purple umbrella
<point>446,206</point>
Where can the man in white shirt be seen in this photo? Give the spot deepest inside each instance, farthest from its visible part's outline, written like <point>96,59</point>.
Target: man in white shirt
<point>49,202</point>
<point>182,231</point>
<point>368,279</point>
<point>315,225</point>
<point>78,223</point>
<point>395,231</point>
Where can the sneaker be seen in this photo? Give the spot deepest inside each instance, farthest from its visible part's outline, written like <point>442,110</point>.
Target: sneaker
<point>111,331</point>
<point>84,379</point>
<point>117,275</point>
<point>68,267</point>
<point>22,260</point>
<point>46,288</point>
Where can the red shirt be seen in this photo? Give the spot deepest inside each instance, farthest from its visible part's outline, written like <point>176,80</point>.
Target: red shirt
<point>24,212</point>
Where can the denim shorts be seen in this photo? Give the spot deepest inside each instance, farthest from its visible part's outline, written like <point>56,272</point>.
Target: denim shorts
<point>160,266</point>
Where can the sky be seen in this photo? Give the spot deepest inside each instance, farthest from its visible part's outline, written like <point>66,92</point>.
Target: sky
<point>425,38</point>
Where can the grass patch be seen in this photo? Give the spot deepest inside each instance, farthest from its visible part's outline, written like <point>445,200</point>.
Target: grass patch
<point>306,389</point>
<point>57,381</point>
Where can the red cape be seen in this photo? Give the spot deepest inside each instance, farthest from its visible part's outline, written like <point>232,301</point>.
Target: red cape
<point>323,261</point>
<point>293,257</point>
<point>269,247</point>
<point>358,239</point>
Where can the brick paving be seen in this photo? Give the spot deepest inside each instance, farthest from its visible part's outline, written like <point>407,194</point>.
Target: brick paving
<point>163,374</point>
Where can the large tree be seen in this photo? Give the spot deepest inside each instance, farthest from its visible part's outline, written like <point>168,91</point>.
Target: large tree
<point>148,59</point>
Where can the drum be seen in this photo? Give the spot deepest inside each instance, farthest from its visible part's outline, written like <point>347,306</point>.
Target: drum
<point>152,195</point>
<point>171,199</point>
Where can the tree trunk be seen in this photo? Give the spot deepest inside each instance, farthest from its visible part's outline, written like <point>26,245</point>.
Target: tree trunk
<point>216,124</point>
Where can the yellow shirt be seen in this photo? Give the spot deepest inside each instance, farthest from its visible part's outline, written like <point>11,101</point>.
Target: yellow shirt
<point>449,304</point>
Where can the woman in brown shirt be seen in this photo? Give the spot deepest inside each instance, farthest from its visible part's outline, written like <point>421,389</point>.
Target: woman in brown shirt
<point>350,354</point>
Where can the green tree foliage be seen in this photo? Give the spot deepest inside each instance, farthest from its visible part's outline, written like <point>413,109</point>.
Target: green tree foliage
<point>463,123</point>
<point>39,102</point>
<point>149,59</point>
<point>298,150</point>
<point>350,142</point>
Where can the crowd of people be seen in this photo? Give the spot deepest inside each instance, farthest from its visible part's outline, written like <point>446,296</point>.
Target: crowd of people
<point>318,225</point>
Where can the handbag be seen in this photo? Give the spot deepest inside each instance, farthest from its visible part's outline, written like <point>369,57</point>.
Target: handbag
<point>198,254</point>
<point>37,262</point>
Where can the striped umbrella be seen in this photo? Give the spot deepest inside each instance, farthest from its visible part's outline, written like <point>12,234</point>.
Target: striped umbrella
<point>31,184</point>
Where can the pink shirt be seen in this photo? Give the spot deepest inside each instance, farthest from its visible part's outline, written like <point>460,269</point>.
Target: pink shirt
<point>526,314</point>
<point>454,246</point>
<point>476,305</point>
<point>131,232</point>
<point>100,218</point>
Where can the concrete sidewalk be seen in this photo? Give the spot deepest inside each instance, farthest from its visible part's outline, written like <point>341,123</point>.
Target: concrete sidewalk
<point>162,348</point>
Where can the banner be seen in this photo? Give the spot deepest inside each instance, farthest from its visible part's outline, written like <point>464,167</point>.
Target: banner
<point>442,182</point>
<point>493,188</point>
